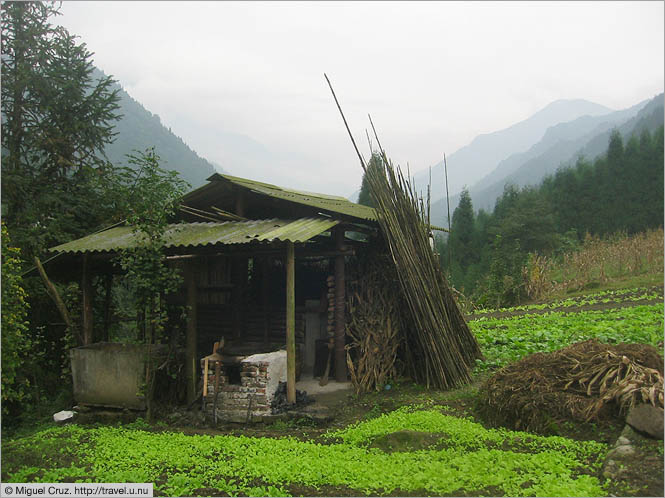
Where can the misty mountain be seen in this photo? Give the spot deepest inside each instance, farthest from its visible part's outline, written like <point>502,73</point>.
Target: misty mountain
<point>561,145</point>
<point>139,129</point>
<point>472,162</point>
<point>650,117</point>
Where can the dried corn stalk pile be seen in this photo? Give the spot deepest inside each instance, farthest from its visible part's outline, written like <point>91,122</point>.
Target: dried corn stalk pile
<point>441,347</point>
<point>374,325</point>
<point>581,382</point>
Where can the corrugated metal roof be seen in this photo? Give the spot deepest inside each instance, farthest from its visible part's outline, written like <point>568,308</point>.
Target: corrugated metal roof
<point>201,234</point>
<point>325,202</point>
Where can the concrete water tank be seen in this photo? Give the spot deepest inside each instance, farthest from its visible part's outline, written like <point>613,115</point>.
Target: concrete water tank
<point>111,374</point>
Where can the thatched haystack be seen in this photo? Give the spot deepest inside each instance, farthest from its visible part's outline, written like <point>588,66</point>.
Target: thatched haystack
<point>582,382</point>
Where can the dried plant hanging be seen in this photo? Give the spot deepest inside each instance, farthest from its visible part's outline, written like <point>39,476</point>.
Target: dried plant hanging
<point>374,322</point>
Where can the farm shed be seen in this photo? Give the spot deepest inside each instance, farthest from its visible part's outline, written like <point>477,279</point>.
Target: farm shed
<point>264,268</point>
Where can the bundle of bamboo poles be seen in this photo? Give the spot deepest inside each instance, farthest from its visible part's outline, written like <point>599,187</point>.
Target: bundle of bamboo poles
<point>441,341</point>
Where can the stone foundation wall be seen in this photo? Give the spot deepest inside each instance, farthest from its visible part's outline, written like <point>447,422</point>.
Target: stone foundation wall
<point>250,399</point>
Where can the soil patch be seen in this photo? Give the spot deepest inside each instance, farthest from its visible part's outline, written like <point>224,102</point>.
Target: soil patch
<point>406,441</point>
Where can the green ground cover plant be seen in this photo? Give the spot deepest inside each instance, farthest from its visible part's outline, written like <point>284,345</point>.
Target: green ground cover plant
<point>504,340</point>
<point>468,457</point>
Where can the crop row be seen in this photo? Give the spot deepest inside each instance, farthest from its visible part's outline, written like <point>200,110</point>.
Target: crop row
<point>467,458</point>
<point>504,340</point>
<point>603,297</point>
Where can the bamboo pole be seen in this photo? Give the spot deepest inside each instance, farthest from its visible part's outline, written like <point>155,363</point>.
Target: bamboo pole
<point>290,324</point>
<point>445,166</point>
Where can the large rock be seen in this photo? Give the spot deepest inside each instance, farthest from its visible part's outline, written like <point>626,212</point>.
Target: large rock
<point>64,416</point>
<point>647,419</point>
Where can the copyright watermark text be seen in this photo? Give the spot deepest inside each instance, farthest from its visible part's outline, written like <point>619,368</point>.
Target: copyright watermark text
<point>76,489</point>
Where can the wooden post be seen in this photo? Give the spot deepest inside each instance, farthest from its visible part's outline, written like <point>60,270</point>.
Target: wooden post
<point>239,273</point>
<point>108,287</point>
<point>340,303</point>
<point>86,289</point>
<point>190,354</point>
<point>290,325</point>
<point>265,269</point>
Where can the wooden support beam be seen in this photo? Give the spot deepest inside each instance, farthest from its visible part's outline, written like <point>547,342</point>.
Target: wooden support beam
<point>259,252</point>
<point>190,353</point>
<point>239,274</point>
<point>290,324</point>
<point>340,303</point>
<point>86,301</point>
<point>265,289</point>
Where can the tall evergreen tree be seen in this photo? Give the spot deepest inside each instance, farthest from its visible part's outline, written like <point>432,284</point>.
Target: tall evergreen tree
<point>56,122</point>
<point>364,197</point>
<point>461,238</point>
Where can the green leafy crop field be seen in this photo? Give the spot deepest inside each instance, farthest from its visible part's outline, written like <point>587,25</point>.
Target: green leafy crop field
<point>463,456</point>
<point>504,340</point>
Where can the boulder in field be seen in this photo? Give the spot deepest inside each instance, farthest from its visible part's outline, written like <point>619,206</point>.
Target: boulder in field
<point>646,418</point>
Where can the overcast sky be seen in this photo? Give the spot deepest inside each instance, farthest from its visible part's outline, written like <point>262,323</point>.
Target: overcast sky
<point>433,75</point>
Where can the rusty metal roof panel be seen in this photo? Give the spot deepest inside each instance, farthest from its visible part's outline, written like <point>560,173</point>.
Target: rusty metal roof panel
<point>331,203</point>
<point>202,234</point>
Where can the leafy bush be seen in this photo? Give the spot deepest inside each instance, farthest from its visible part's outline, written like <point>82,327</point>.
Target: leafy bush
<point>15,339</point>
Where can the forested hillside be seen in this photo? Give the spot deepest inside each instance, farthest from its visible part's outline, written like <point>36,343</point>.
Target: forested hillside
<point>620,191</point>
<point>138,128</point>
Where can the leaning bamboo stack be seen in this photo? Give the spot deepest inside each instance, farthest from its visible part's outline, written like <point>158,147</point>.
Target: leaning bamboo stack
<point>441,343</point>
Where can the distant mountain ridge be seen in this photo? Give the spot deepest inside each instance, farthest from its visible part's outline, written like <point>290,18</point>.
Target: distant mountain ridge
<point>575,130</point>
<point>139,129</point>
<point>561,145</point>
<point>472,162</point>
